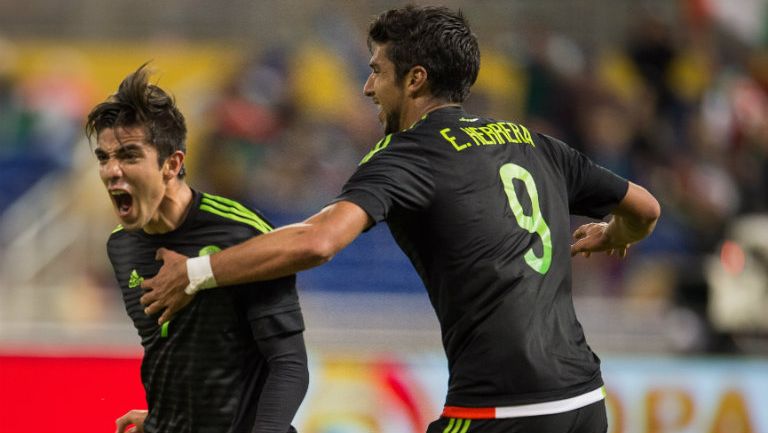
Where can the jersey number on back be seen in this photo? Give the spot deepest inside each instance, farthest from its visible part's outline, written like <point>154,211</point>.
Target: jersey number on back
<point>533,223</point>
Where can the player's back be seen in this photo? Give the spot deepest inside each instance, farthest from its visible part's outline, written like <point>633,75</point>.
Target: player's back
<point>482,210</point>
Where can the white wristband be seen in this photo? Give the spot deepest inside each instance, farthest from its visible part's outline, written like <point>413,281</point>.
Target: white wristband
<point>200,274</point>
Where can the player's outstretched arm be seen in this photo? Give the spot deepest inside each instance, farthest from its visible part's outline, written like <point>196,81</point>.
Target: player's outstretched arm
<point>134,417</point>
<point>292,248</point>
<point>281,252</point>
<point>633,219</point>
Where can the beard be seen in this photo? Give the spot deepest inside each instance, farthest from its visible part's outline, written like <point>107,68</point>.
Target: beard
<point>392,123</point>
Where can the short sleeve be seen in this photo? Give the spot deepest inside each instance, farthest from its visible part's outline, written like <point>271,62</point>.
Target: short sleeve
<point>285,322</point>
<point>272,307</point>
<point>593,190</point>
<point>397,176</point>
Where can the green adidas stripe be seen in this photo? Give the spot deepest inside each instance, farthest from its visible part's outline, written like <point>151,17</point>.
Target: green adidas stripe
<point>250,222</point>
<point>234,206</point>
<point>451,423</point>
<point>457,425</point>
<point>234,210</point>
<point>228,212</point>
<point>228,202</point>
<point>118,228</point>
<point>466,426</point>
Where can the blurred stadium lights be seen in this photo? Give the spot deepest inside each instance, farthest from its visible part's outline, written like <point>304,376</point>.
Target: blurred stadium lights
<point>738,278</point>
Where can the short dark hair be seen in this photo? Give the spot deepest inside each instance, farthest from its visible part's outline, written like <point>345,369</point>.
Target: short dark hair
<point>139,103</point>
<point>436,38</point>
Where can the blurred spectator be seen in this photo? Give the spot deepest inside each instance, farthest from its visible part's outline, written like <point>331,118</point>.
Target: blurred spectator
<point>246,124</point>
<point>40,119</point>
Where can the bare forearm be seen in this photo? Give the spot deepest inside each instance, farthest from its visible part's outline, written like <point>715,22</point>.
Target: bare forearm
<point>292,248</point>
<point>635,217</point>
<point>273,255</point>
<point>624,231</point>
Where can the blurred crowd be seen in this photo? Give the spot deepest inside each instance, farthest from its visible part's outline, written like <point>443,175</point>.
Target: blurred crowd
<point>679,107</point>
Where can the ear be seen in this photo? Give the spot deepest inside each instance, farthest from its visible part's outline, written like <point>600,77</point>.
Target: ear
<point>416,81</point>
<point>173,165</point>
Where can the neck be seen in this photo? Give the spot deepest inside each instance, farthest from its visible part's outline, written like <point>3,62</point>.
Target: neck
<point>173,208</point>
<point>421,106</point>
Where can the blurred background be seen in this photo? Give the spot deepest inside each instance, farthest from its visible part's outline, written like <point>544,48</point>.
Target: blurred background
<point>672,94</point>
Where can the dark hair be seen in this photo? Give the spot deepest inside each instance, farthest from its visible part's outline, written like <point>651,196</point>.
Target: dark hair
<point>436,38</point>
<point>138,103</point>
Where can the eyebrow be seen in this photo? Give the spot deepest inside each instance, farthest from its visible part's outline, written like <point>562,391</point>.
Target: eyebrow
<point>130,147</point>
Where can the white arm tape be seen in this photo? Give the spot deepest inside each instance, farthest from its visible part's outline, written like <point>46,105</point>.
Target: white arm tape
<point>200,274</point>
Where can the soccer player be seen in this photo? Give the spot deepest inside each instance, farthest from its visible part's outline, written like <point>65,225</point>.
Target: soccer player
<point>233,360</point>
<point>481,207</point>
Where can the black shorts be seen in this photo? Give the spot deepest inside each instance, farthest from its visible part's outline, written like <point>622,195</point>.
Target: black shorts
<point>588,419</point>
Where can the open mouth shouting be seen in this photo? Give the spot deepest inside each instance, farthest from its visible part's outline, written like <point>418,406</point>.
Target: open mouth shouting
<point>123,202</point>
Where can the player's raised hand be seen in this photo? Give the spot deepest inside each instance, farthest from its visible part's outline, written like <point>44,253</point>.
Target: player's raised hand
<point>165,291</point>
<point>593,237</point>
<point>134,418</point>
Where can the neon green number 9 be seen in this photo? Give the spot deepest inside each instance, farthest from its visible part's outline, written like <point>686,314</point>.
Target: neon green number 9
<point>535,222</point>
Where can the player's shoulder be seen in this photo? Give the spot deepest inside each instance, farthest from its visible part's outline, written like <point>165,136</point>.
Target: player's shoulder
<point>228,211</point>
<point>119,230</point>
<point>418,135</point>
<point>119,233</point>
<point>555,147</point>
<point>123,244</point>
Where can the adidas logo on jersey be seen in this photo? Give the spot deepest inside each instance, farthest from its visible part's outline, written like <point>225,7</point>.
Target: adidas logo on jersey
<point>134,280</point>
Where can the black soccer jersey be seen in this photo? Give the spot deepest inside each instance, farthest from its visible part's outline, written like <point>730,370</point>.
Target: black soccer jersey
<point>481,207</point>
<point>202,371</point>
